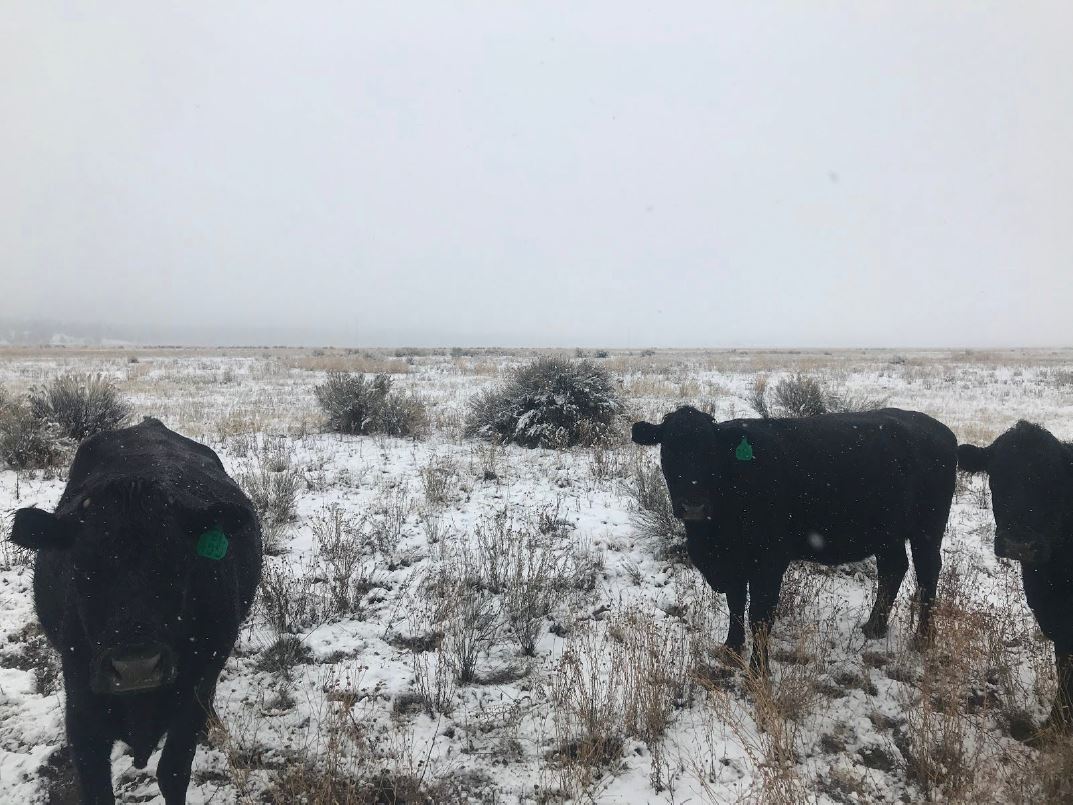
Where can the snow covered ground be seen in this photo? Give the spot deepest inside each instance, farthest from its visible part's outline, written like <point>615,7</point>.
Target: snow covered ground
<point>352,663</point>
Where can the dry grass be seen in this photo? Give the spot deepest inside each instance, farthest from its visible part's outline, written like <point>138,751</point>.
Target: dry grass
<point>502,605</point>
<point>354,361</point>
<point>618,680</point>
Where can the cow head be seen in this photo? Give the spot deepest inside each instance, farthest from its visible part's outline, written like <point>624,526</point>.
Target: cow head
<point>1031,477</point>
<point>699,458</point>
<point>131,553</point>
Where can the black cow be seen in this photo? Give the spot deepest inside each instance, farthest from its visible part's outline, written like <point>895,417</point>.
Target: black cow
<point>142,577</point>
<point>756,494</point>
<point>1031,478</point>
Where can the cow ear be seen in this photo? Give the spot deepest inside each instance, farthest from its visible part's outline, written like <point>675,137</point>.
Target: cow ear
<point>646,433</point>
<point>230,517</point>
<point>972,458</point>
<point>39,530</point>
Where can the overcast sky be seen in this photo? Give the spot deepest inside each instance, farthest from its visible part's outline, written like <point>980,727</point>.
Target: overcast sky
<point>580,173</point>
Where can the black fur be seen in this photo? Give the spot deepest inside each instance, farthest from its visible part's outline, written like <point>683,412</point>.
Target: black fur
<point>117,565</point>
<point>833,488</point>
<point>1031,477</point>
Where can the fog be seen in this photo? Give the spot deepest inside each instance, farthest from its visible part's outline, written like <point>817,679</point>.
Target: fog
<point>560,174</point>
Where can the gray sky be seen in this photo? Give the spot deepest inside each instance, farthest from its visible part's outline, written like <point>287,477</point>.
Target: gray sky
<point>540,173</point>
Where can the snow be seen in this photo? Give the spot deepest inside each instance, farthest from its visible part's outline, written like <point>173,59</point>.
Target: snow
<point>505,732</point>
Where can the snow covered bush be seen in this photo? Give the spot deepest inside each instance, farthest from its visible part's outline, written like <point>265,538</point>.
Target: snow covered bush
<point>79,405</point>
<point>550,402</point>
<point>357,405</point>
<point>27,442</point>
<point>801,395</point>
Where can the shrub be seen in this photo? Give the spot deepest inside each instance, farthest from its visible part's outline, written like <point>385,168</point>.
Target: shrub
<point>438,478</point>
<point>356,405</point>
<point>472,628</point>
<point>285,653</point>
<point>27,442</point>
<point>340,546</point>
<point>79,405</point>
<point>801,395</point>
<point>508,579</point>
<point>757,397</point>
<point>272,485</point>
<point>652,513</point>
<point>289,599</point>
<point>435,681</point>
<point>550,402</point>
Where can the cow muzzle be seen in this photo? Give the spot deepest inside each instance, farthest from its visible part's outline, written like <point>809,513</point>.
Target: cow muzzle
<point>693,511</point>
<point>1018,550</point>
<point>134,668</point>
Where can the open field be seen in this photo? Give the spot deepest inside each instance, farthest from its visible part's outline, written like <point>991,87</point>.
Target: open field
<point>583,666</point>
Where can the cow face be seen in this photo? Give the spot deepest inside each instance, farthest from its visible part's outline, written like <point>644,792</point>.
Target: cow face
<point>129,556</point>
<point>696,457</point>
<point>1031,478</point>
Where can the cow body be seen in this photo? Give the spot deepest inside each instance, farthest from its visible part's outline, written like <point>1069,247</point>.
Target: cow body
<point>141,611</point>
<point>1030,474</point>
<point>757,494</point>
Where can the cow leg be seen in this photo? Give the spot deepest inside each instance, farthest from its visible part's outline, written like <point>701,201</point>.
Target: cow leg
<point>91,752</point>
<point>764,590</point>
<point>928,563</point>
<point>736,605</point>
<point>206,699</point>
<point>698,544</point>
<point>1061,717</point>
<point>173,771</point>
<point>890,566</point>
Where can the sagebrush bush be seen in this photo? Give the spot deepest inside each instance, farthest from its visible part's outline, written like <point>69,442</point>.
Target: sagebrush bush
<point>340,550</point>
<point>289,598</point>
<point>802,395</point>
<point>27,442</point>
<point>652,513</point>
<point>550,402</point>
<point>757,397</point>
<point>79,405</point>
<point>273,494</point>
<point>357,405</point>
<point>507,581</point>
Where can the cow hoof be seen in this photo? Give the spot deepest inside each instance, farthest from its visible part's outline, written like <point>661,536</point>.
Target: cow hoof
<point>874,631</point>
<point>213,734</point>
<point>718,677</point>
<point>921,640</point>
<point>1042,737</point>
<point>732,654</point>
<point>1056,725</point>
<point>1052,729</point>
<point>1037,740</point>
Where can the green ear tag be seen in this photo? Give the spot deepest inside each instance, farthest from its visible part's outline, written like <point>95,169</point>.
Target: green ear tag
<point>744,451</point>
<point>212,544</point>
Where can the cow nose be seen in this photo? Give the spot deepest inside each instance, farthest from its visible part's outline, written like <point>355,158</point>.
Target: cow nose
<point>694,511</point>
<point>1009,545</point>
<point>1002,545</point>
<point>132,668</point>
